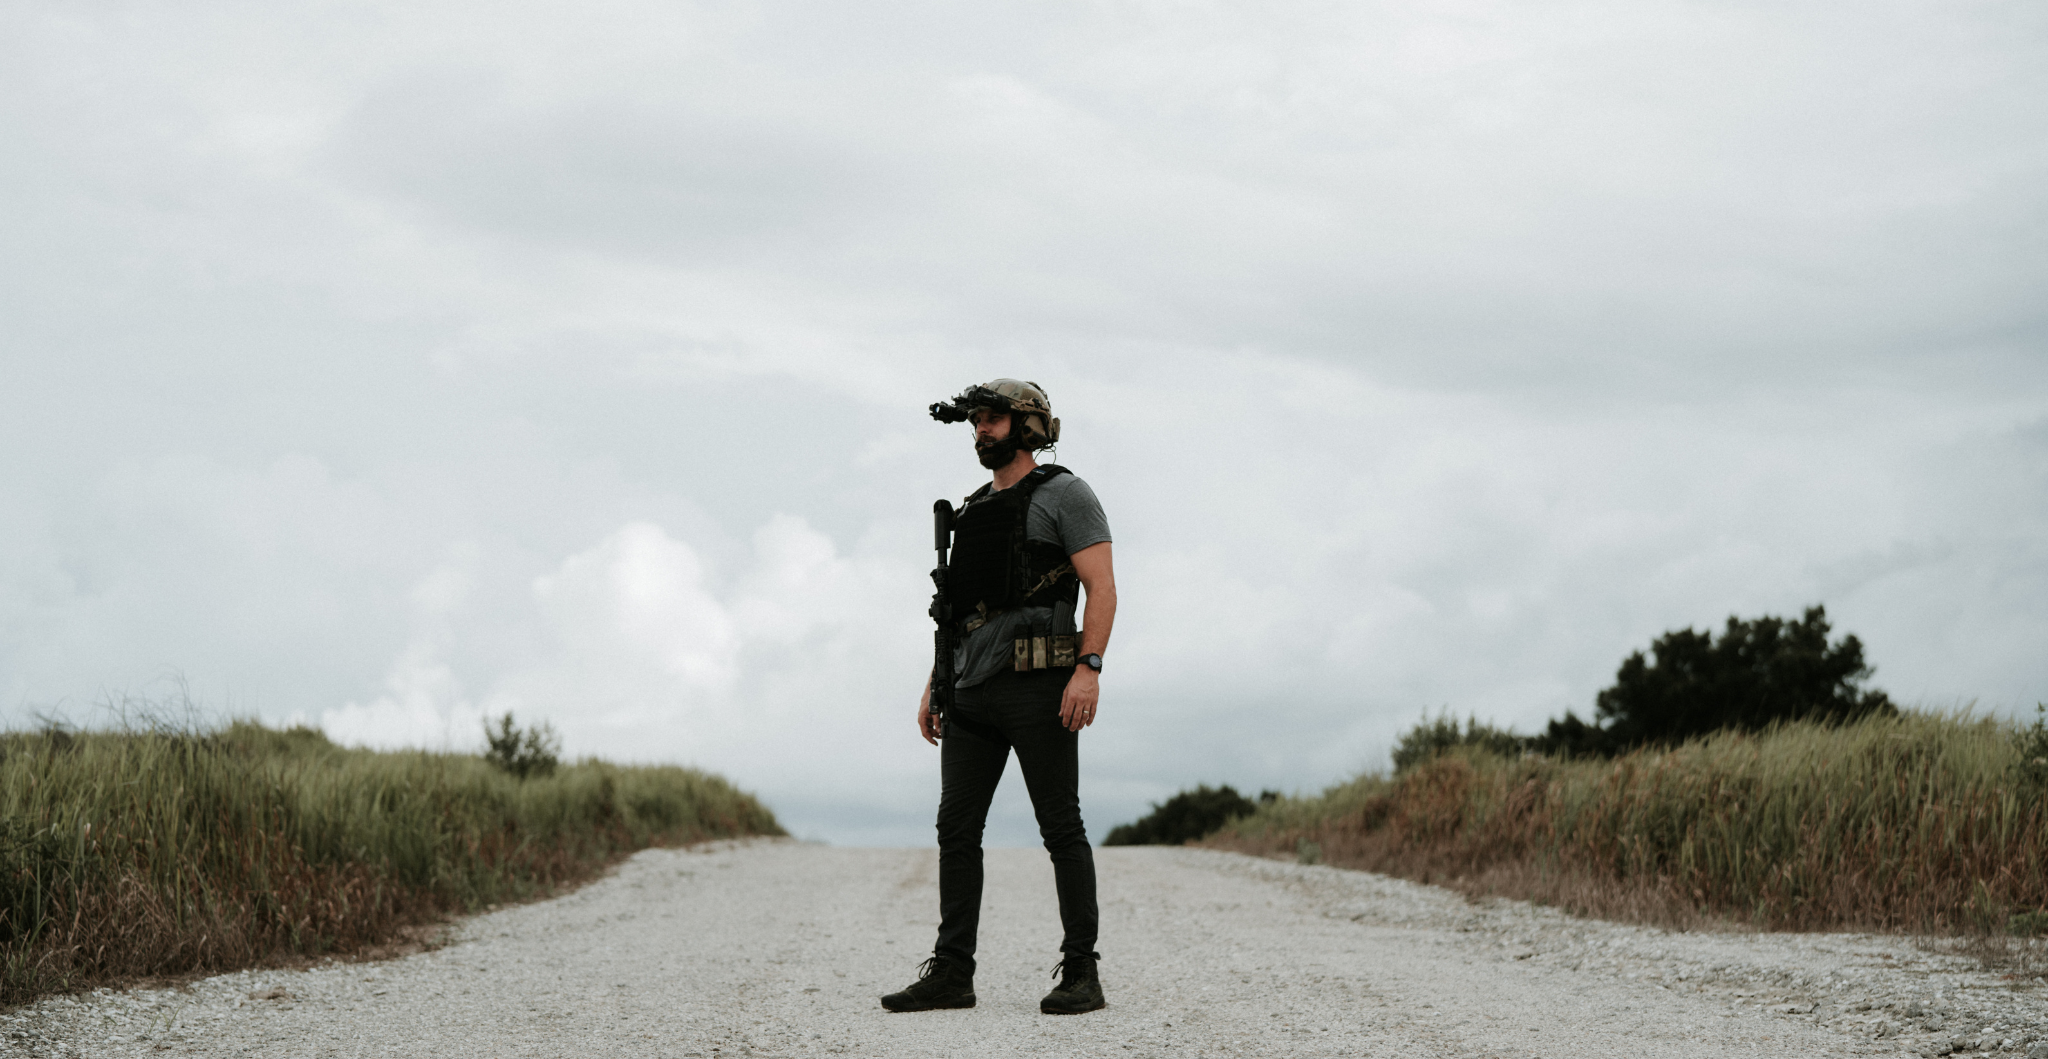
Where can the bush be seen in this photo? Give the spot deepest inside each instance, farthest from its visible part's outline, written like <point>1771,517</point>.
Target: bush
<point>522,753</point>
<point>1428,739</point>
<point>1758,673</point>
<point>1186,817</point>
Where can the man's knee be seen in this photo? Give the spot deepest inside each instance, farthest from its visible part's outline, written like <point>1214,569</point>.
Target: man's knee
<point>960,829</point>
<point>1063,832</point>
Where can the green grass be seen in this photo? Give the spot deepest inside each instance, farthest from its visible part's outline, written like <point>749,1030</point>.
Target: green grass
<point>145,853</point>
<point>1911,823</point>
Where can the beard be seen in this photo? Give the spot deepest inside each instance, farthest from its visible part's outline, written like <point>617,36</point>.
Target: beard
<point>995,454</point>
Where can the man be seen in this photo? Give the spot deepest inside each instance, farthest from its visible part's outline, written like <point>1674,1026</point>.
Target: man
<point>1025,545</point>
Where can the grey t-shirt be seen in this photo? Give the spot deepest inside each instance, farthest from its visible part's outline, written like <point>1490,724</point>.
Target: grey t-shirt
<point>1064,511</point>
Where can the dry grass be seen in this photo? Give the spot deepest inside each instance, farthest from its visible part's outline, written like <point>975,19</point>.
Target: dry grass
<point>139,854</point>
<point>1910,823</point>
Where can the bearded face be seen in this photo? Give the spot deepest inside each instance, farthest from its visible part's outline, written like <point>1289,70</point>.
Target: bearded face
<point>996,440</point>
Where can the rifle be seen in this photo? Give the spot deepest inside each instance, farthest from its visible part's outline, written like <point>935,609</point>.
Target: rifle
<point>942,613</point>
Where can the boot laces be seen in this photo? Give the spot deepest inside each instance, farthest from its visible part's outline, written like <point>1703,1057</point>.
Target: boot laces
<point>1069,969</point>
<point>932,967</point>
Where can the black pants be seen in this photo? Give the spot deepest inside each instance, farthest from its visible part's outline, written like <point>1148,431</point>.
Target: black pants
<point>1020,710</point>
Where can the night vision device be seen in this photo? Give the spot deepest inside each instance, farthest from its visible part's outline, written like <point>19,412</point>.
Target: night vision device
<point>960,408</point>
<point>1027,399</point>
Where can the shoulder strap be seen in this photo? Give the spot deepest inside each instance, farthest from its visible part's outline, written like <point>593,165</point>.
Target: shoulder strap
<point>1039,475</point>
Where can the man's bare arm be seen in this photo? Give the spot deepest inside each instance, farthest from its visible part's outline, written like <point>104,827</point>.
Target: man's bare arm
<point>1098,578</point>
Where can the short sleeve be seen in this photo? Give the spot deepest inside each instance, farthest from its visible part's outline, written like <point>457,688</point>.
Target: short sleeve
<point>1077,515</point>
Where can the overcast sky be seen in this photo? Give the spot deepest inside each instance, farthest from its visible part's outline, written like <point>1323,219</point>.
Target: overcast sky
<point>382,366</point>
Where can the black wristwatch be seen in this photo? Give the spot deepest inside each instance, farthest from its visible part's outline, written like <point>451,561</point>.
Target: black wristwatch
<point>1093,662</point>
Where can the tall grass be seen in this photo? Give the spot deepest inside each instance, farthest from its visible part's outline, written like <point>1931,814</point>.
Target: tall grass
<point>1905,823</point>
<point>162,852</point>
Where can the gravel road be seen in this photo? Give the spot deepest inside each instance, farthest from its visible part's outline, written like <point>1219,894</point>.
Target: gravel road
<point>781,949</point>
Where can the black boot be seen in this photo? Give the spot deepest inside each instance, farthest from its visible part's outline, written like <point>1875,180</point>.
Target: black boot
<point>1079,990</point>
<point>941,983</point>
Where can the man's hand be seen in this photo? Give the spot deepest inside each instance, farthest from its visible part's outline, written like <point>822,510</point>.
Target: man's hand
<point>1077,706</point>
<point>927,725</point>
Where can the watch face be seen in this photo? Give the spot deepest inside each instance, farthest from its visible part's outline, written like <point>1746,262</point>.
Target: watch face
<point>1093,662</point>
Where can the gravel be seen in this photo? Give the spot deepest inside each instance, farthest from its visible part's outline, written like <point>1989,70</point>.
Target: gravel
<point>781,949</point>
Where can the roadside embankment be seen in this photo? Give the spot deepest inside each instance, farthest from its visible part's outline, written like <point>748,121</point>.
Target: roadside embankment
<point>1910,823</point>
<point>155,853</point>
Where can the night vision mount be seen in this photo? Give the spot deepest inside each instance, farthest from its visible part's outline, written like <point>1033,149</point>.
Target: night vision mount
<point>961,408</point>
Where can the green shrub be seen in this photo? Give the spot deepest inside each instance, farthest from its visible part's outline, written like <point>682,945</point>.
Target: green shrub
<point>1185,817</point>
<point>2033,748</point>
<point>532,752</point>
<point>1757,673</point>
<point>1428,739</point>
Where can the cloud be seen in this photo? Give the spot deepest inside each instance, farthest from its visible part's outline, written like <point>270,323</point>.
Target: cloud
<point>777,670</point>
<point>424,703</point>
<point>637,601</point>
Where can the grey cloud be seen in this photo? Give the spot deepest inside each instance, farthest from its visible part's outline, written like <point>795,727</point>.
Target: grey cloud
<point>681,185</point>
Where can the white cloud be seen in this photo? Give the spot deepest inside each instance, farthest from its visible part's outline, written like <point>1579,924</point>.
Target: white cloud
<point>782,670</point>
<point>423,705</point>
<point>638,600</point>
<point>423,702</point>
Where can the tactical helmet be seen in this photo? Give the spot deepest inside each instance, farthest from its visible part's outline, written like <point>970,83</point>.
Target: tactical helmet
<point>1027,399</point>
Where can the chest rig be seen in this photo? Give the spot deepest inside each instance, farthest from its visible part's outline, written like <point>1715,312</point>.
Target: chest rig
<point>995,568</point>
